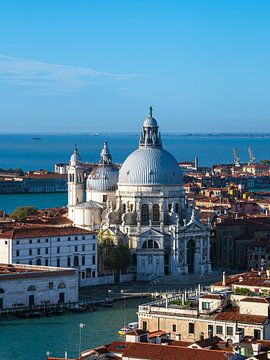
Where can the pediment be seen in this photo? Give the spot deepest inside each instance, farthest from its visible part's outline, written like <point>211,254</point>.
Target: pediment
<point>195,226</point>
<point>151,233</point>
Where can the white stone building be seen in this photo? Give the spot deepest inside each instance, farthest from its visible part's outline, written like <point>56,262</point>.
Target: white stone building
<point>28,285</point>
<point>52,246</point>
<point>144,200</point>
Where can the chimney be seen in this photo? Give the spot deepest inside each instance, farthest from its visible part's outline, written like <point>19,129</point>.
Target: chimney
<point>223,278</point>
<point>241,278</point>
<point>268,273</point>
<point>256,347</point>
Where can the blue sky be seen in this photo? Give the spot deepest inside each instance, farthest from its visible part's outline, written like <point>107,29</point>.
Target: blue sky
<point>97,65</point>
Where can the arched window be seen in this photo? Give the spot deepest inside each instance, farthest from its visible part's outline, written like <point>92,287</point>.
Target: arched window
<point>61,286</point>
<point>83,260</point>
<point>155,213</point>
<point>177,208</point>
<point>31,288</point>
<point>46,262</point>
<point>38,262</point>
<point>124,208</point>
<point>145,214</point>
<point>76,261</point>
<point>2,291</point>
<point>150,244</point>
<point>156,246</point>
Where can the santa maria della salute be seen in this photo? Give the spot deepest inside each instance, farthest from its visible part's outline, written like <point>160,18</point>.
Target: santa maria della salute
<point>143,205</point>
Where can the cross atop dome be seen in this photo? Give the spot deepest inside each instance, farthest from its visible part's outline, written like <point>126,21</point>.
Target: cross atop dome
<point>105,155</point>
<point>150,136</point>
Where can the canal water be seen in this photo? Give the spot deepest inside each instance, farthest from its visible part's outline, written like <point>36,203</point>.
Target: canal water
<point>30,339</point>
<point>9,202</point>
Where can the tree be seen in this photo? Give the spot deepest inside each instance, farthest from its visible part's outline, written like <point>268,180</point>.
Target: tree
<point>114,257</point>
<point>21,213</point>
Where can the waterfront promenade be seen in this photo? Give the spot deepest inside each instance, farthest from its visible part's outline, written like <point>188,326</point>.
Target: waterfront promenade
<point>140,290</point>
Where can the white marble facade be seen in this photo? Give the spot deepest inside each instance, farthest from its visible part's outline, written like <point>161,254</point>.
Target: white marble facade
<point>145,200</point>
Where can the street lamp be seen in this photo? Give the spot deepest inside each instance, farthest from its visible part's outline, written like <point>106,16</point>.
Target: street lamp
<point>82,325</point>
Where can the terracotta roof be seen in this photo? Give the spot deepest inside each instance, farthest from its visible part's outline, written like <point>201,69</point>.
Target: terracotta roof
<point>256,300</point>
<point>119,346</point>
<point>161,352</point>
<point>32,232</point>
<point>46,176</point>
<point>179,343</point>
<point>137,332</point>
<point>234,316</point>
<point>156,334</point>
<point>212,296</point>
<point>208,342</point>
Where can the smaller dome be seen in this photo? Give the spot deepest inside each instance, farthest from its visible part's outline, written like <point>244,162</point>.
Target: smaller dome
<point>103,178</point>
<point>150,122</point>
<point>75,158</point>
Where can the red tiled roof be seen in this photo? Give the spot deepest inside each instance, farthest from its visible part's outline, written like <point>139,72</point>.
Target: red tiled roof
<point>234,316</point>
<point>256,300</point>
<point>157,333</point>
<point>137,332</point>
<point>32,232</point>
<point>161,352</point>
<point>212,296</point>
<point>119,346</point>
<point>208,342</point>
<point>46,176</point>
<point>179,343</point>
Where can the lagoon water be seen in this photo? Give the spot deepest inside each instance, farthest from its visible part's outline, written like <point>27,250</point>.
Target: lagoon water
<point>30,339</point>
<point>9,203</point>
<point>22,151</point>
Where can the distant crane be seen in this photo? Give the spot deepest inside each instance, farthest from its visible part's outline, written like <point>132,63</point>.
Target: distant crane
<point>236,157</point>
<point>252,159</point>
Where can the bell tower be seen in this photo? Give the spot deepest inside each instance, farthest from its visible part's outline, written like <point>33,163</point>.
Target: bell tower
<point>75,182</point>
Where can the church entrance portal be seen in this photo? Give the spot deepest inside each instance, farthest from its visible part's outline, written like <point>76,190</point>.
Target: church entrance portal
<point>190,255</point>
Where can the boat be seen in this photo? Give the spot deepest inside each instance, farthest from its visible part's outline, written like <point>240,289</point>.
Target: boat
<point>77,307</point>
<point>35,314</point>
<point>133,325</point>
<point>124,330</point>
<point>91,307</point>
<point>128,328</point>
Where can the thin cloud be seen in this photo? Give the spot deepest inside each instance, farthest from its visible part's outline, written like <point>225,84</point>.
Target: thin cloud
<point>52,77</point>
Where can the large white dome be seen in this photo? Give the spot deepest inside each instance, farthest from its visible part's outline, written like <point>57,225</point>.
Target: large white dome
<point>150,166</point>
